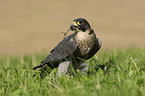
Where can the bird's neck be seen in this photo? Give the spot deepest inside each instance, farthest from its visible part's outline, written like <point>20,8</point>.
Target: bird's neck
<point>88,34</point>
<point>84,34</point>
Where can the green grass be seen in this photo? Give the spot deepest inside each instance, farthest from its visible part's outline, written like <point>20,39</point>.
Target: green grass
<point>127,79</point>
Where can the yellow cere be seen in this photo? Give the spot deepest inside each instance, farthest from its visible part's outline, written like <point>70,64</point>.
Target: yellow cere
<point>75,23</point>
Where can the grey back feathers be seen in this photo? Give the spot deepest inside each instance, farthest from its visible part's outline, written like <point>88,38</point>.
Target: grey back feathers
<point>66,47</point>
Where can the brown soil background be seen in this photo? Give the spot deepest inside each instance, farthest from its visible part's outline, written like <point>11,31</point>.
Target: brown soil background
<point>30,26</point>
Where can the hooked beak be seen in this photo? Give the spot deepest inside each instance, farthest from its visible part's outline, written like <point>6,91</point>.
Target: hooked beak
<point>73,26</point>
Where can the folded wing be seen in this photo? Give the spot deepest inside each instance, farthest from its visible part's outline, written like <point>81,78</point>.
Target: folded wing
<point>64,49</point>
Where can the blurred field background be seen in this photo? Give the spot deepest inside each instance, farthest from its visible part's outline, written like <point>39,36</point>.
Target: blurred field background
<point>30,26</point>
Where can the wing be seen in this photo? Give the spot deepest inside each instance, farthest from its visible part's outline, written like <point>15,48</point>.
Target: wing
<point>64,49</point>
<point>95,49</point>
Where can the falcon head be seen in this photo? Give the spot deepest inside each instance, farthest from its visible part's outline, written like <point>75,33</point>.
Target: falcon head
<point>80,24</point>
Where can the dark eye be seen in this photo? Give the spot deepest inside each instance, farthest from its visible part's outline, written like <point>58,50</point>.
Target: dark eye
<point>81,22</point>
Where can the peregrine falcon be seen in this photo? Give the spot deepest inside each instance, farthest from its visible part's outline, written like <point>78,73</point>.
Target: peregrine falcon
<point>73,49</point>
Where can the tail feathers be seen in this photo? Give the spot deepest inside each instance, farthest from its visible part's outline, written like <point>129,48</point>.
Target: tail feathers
<point>45,68</point>
<point>43,71</point>
<point>37,67</point>
<point>40,66</point>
